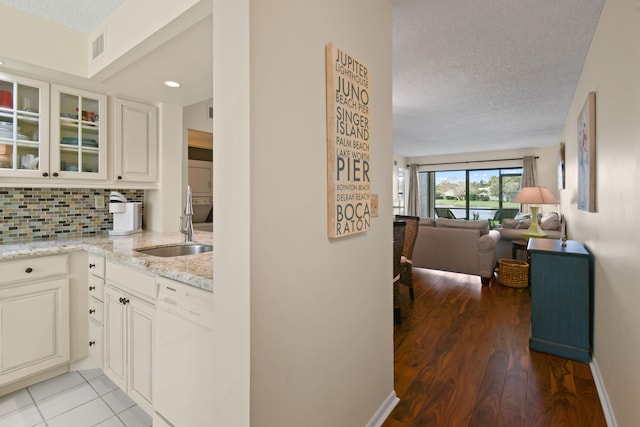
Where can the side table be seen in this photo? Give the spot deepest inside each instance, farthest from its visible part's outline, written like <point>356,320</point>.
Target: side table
<point>561,299</point>
<point>518,245</point>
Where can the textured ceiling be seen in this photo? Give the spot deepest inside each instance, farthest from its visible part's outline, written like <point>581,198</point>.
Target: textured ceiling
<point>486,75</point>
<point>468,75</point>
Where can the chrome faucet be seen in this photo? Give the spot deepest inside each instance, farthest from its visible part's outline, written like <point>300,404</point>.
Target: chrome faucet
<point>186,221</point>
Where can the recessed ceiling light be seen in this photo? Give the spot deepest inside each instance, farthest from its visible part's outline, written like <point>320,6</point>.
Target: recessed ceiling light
<point>1,63</point>
<point>171,83</point>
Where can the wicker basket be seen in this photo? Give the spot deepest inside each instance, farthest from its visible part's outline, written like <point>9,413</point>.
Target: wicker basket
<point>513,273</point>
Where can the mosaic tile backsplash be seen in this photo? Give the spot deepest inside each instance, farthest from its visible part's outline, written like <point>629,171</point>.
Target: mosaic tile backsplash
<point>56,213</point>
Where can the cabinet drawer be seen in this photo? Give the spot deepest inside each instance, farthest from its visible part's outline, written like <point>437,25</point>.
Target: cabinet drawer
<point>96,265</point>
<point>95,342</point>
<point>131,280</point>
<point>96,287</point>
<point>33,268</point>
<point>96,310</point>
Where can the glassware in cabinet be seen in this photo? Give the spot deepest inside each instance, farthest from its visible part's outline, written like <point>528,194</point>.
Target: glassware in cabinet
<point>80,139</point>
<point>23,126</point>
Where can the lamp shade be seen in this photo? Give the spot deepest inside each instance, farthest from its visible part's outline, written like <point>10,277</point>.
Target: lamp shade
<point>536,196</point>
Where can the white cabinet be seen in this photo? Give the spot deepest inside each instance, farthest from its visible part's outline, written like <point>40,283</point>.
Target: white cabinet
<point>34,316</point>
<point>24,127</point>
<point>96,308</point>
<point>78,134</point>
<point>41,142</point>
<point>135,142</point>
<point>129,313</point>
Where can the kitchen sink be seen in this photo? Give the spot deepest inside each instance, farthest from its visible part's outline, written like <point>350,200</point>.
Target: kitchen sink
<point>176,250</point>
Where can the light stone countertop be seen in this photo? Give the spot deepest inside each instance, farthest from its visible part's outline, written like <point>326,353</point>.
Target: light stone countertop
<point>195,270</point>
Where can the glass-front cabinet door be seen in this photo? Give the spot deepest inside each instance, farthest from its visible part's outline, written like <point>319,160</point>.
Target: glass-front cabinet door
<point>24,127</point>
<point>78,136</point>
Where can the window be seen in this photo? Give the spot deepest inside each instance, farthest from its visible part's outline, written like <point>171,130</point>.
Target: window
<point>398,193</point>
<point>470,194</point>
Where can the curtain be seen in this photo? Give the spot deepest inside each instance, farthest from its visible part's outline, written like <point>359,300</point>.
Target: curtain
<point>413,199</point>
<point>528,171</point>
<point>528,176</point>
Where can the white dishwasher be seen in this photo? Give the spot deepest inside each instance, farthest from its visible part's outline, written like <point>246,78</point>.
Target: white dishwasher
<point>183,358</point>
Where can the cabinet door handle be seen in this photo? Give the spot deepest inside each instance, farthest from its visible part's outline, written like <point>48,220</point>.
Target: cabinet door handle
<point>55,174</point>
<point>45,174</point>
<point>91,288</point>
<point>125,301</point>
<point>28,270</point>
<point>92,343</point>
<point>119,177</point>
<point>92,266</point>
<point>91,311</point>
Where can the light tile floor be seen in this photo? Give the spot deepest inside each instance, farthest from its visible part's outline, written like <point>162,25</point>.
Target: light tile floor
<point>75,399</point>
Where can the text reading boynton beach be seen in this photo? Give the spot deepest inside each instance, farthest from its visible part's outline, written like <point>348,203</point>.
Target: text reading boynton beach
<point>348,133</point>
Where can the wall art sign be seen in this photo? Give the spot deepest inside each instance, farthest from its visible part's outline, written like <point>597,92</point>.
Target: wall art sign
<point>587,155</point>
<point>348,144</point>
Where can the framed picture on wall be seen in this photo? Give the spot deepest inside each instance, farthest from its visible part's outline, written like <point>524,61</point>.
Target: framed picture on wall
<point>587,155</point>
<point>561,179</point>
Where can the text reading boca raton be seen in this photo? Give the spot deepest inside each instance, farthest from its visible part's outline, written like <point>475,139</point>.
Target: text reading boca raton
<point>352,136</point>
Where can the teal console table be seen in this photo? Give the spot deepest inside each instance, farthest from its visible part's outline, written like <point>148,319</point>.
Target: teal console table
<point>561,298</point>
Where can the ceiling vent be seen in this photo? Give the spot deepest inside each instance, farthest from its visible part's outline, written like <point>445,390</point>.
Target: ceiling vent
<point>97,46</point>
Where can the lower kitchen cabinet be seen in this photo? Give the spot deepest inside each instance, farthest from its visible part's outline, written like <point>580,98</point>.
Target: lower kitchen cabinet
<point>96,308</point>
<point>128,332</point>
<point>34,327</point>
<point>95,342</point>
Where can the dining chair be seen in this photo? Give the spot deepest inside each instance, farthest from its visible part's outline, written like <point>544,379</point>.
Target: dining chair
<point>406,261</point>
<point>398,244</point>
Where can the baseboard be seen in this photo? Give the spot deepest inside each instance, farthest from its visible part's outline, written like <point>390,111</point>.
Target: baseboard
<point>602,394</point>
<point>384,410</point>
<point>34,379</point>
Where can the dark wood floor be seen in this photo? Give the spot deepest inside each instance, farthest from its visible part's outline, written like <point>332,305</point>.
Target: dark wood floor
<point>462,358</point>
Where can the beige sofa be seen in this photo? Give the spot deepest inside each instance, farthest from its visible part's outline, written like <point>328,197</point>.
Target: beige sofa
<point>457,245</point>
<point>512,229</point>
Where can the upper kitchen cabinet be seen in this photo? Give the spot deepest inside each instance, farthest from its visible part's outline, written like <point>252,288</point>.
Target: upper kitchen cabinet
<point>24,127</point>
<point>135,142</point>
<point>78,135</point>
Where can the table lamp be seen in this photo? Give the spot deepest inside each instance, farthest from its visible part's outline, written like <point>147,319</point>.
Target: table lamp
<point>535,196</point>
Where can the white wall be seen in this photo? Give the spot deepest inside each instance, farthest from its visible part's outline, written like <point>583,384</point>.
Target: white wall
<point>33,40</point>
<point>321,326</point>
<point>321,311</point>
<point>232,257</point>
<point>163,207</point>
<point>196,117</point>
<point>611,70</point>
<point>138,26</point>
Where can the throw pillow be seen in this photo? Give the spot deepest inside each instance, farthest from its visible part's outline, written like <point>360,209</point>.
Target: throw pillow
<point>550,221</point>
<point>523,223</point>
<point>520,216</point>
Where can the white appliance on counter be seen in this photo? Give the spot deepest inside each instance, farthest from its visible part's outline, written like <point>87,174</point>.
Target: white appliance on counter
<point>183,356</point>
<point>127,216</point>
